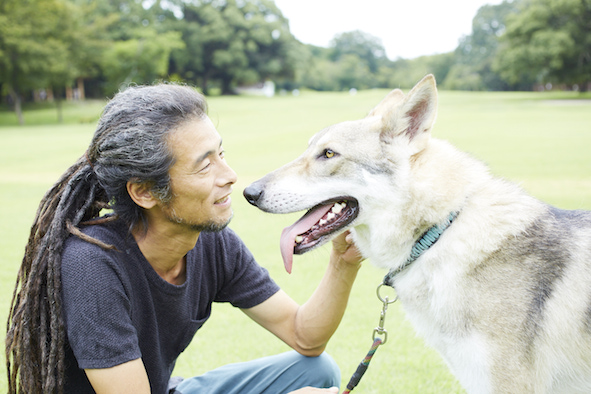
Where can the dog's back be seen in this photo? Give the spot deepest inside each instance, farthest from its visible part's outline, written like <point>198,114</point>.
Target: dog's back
<point>533,297</point>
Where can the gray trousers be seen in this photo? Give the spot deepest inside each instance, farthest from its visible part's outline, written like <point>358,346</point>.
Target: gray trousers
<point>270,375</point>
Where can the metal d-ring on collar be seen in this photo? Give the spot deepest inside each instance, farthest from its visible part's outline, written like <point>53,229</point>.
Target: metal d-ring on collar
<point>424,243</point>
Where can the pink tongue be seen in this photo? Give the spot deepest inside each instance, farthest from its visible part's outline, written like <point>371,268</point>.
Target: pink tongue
<point>289,234</point>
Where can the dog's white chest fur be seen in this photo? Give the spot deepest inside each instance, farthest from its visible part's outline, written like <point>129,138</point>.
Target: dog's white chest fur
<point>435,306</point>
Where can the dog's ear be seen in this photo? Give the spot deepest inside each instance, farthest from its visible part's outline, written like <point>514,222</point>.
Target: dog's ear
<point>388,105</point>
<point>415,115</point>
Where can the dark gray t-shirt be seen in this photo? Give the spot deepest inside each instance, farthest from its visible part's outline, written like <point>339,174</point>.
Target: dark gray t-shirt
<point>118,309</point>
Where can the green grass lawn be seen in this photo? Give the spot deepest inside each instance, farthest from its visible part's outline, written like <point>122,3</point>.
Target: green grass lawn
<point>538,140</point>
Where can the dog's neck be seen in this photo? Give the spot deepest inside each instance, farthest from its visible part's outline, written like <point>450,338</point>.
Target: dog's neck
<point>421,246</point>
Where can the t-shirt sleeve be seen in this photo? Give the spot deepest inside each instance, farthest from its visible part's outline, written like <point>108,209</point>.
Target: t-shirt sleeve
<point>96,307</point>
<point>246,283</point>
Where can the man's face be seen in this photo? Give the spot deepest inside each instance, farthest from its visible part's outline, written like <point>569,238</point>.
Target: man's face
<point>201,180</point>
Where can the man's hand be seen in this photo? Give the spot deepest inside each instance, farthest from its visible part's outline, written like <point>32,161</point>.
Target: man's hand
<point>344,249</point>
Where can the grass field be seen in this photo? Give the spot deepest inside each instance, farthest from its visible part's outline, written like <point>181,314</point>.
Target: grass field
<point>539,140</point>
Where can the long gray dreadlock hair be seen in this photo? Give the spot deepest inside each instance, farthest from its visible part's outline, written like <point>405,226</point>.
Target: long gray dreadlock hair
<point>129,144</point>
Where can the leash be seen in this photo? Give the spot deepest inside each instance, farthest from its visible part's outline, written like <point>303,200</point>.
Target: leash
<point>425,242</point>
<point>362,367</point>
<point>380,336</point>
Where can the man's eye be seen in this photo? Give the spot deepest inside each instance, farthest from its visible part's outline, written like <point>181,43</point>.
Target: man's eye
<point>205,167</point>
<point>223,154</point>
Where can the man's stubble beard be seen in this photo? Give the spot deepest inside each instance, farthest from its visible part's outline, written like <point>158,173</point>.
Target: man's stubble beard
<point>209,226</point>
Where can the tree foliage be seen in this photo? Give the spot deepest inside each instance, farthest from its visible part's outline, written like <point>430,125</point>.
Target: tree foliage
<point>37,46</point>
<point>403,73</point>
<point>547,41</point>
<point>223,44</point>
<point>354,60</point>
<point>474,56</point>
<point>141,59</point>
<point>234,42</point>
<point>363,46</point>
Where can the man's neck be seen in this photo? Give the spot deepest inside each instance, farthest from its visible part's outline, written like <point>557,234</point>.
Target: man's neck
<point>165,248</point>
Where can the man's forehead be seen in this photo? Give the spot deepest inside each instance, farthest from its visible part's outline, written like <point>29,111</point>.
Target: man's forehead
<point>195,137</point>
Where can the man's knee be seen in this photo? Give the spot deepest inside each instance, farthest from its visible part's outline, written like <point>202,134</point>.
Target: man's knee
<point>281,373</point>
<point>322,371</point>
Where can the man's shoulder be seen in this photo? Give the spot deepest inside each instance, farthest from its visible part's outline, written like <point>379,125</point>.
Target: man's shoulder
<point>111,233</point>
<point>81,252</point>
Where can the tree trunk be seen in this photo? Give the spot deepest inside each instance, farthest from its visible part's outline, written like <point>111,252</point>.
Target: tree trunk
<point>204,88</point>
<point>16,98</point>
<point>58,106</point>
<point>81,93</point>
<point>227,86</point>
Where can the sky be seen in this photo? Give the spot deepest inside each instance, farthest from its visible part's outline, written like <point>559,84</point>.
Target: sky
<point>407,28</point>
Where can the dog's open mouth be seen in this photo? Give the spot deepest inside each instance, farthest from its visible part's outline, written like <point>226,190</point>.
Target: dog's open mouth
<point>315,226</point>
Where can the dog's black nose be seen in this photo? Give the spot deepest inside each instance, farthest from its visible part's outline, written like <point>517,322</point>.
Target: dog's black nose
<point>253,194</point>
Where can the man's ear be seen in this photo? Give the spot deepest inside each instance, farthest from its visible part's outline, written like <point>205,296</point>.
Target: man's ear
<point>141,195</point>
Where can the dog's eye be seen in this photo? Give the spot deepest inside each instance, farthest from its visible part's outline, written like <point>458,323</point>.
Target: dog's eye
<point>327,154</point>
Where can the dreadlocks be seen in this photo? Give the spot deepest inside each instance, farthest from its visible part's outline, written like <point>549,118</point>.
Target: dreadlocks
<point>129,144</point>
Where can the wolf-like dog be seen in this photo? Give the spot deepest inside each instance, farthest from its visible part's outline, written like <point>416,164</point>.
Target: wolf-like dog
<point>501,285</point>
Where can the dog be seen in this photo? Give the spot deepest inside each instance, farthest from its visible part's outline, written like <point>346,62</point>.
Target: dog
<point>499,283</point>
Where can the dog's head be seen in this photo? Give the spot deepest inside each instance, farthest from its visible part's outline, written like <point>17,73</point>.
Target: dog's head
<point>347,166</point>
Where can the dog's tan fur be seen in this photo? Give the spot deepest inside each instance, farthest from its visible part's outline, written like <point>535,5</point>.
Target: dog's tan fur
<point>505,294</point>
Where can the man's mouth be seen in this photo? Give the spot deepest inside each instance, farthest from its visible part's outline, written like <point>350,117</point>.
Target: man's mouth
<point>315,227</point>
<point>222,200</point>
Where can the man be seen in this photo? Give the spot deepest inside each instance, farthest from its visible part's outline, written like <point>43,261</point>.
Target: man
<point>106,303</point>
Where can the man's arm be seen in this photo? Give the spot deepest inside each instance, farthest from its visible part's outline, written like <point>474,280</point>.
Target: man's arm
<point>307,328</point>
<point>129,377</point>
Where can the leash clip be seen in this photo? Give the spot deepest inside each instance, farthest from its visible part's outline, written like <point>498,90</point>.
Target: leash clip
<point>380,335</point>
<point>380,331</point>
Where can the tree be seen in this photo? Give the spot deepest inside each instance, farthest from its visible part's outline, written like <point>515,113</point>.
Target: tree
<point>126,41</point>
<point>548,41</point>
<point>141,59</point>
<point>352,73</point>
<point>403,73</point>
<point>363,45</point>
<point>35,46</point>
<point>234,42</point>
<point>475,53</point>
<point>353,60</point>
<point>315,69</point>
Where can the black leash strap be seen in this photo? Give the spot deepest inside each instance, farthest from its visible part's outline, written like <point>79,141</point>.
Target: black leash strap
<point>362,367</point>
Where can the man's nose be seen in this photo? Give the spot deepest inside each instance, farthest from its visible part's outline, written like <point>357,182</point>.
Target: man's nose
<point>229,175</point>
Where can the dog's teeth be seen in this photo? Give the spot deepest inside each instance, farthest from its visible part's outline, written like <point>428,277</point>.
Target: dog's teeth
<point>337,208</point>
<point>299,239</point>
<point>330,216</point>
<point>322,222</point>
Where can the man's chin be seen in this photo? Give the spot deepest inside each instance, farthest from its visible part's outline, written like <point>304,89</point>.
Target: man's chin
<point>212,226</point>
